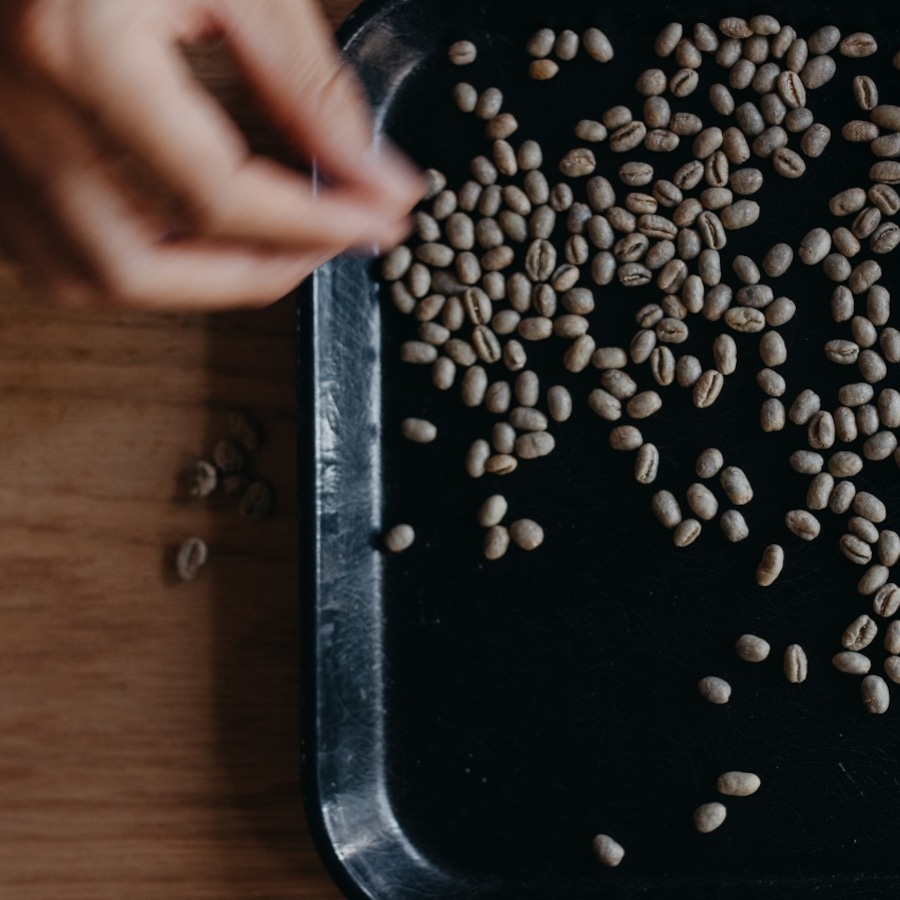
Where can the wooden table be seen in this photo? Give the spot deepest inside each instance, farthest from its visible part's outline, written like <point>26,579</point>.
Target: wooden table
<point>149,737</point>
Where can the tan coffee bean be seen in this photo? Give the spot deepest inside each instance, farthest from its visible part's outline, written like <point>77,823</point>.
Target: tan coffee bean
<point>559,403</point>
<point>815,139</point>
<point>534,444</point>
<point>707,388</point>
<point>819,491</point>
<point>803,524</point>
<point>772,415</point>
<point>889,408</point>
<point>873,578</point>
<point>856,550</point>
<point>644,404</point>
<point>842,352</point>
<point>892,637</point>
<point>863,528</point>
<point>734,526</point>
<point>543,69</point>
<point>605,404</point>
<point>824,40</point>
<point>746,181</point>
<point>888,547</point>
<point>772,349</point>
<point>742,74</point>
<point>770,566</point>
<point>851,662</point>
<point>709,817</point>
<point>625,437</point>
<point>714,689</point>
<point>192,555</point>
<point>683,83</point>
<point>646,465</point>
<point>869,507</point>
<point>709,463</point>
<point>818,72</point>
<point>771,382</point>
<point>590,130</point>
<point>738,784</point>
<point>752,648</point>
<point>666,509</point>
<point>686,532</point>
<point>887,600</point>
<point>892,668</point>
<point>845,464</point>
<point>875,695</point>
<point>526,533</point>
<point>607,850</point>
<point>736,485</point>
<point>399,538</point>
<point>858,44</point>
<point>492,511</point>
<point>667,40</point>
<point>496,542</point>
<point>462,53</point>
<point>739,215</point>
<point>796,666</point>
<point>745,320</point>
<point>702,502</point>
<point>597,45</point>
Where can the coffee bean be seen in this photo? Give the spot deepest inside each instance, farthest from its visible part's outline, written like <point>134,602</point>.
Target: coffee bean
<point>605,404</point>
<point>842,352</point>
<point>873,578</point>
<point>816,138</point>
<point>734,526</point>
<point>736,485</point>
<point>803,524</point>
<point>841,497</point>
<point>543,69</point>
<point>796,666</point>
<point>190,558</point>
<point>752,648</point>
<point>607,850</point>
<point>857,45</point>
<point>526,533</point>
<point>666,509</point>
<point>738,784</point>
<point>818,72</point>
<point>892,637</point>
<point>714,689</point>
<point>770,567</point>
<point>646,464</point>
<point>597,45</point>
<point>851,663</point>
<point>709,817</point>
<point>887,600</point>
<point>869,507</point>
<point>771,382</point>
<point>875,695</point>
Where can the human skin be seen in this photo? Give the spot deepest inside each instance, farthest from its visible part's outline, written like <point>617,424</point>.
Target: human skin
<point>125,184</point>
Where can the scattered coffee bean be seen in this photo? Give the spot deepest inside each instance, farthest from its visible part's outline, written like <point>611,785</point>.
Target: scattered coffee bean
<point>770,566</point>
<point>709,817</point>
<point>607,850</point>
<point>851,663</point>
<point>714,689</point>
<point>526,533</point>
<point>399,538</point>
<point>190,559</point>
<point>752,648</point>
<point>875,695</point>
<point>796,666</point>
<point>738,784</point>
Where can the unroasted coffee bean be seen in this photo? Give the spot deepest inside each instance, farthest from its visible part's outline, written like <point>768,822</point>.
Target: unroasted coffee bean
<point>738,784</point>
<point>819,491</point>
<point>859,633</point>
<point>707,388</point>
<point>772,415</point>
<point>625,437</point>
<point>646,465</point>
<point>702,502</point>
<point>734,526</point>
<point>875,695</point>
<point>597,45</point>
<point>496,542</point>
<point>815,139</point>
<point>399,538</point>
<point>204,479</point>
<point>666,509</point>
<point>526,533</point>
<point>752,648</point>
<point>887,600</point>
<point>605,404</point>
<point>770,566</point>
<point>796,665</point>
<point>709,817</point>
<point>803,524</point>
<point>709,463</point>
<point>607,850</point>
<point>686,532</point>
<point>851,663</point>
<point>714,689</point>
<point>892,668</point>
<point>771,382</point>
<point>190,558</point>
<point>874,578</point>
<point>869,507</point>
<point>257,501</point>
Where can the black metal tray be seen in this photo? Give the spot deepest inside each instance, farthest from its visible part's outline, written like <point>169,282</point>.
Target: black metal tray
<point>469,726</point>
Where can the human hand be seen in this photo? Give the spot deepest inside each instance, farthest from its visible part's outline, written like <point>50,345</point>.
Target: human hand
<point>124,183</point>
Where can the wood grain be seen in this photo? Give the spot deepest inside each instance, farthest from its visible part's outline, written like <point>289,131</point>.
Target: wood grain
<point>149,739</point>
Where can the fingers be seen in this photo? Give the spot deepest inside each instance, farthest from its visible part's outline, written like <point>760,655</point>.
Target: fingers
<point>289,56</point>
<point>140,90</point>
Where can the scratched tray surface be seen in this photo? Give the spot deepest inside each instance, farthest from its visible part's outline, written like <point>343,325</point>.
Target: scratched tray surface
<point>472,725</point>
